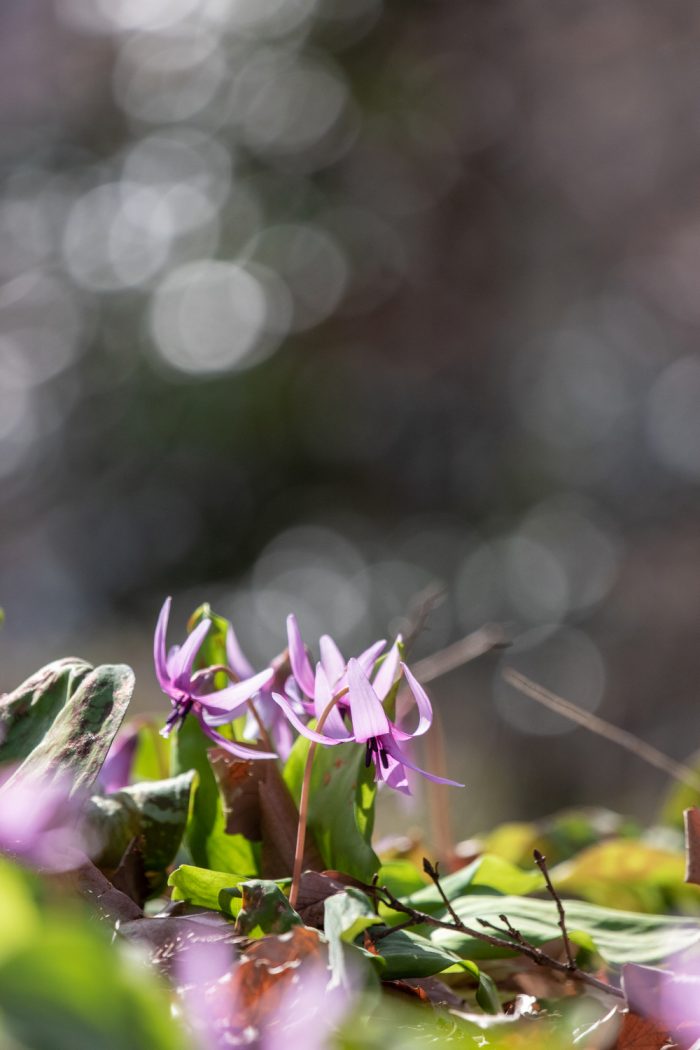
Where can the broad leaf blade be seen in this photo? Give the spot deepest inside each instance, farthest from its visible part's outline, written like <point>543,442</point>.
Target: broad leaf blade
<point>618,936</point>
<point>341,805</point>
<point>77,742</point>
<point>27,713</point>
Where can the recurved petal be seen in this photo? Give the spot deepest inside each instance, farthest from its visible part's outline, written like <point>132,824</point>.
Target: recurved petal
<point>392,748</point>
<point>298,658</point>
<point>232,746</point>
<point>369,657</point>
<point>236,657</point>
<point>331,659</point>
<point>227,701</point>
<point>386,675</point>
<point>366,711</point>
<point>425,708</point>
<point>184,661</point>
<point>160,654</point>
<point>333,725</point>
<point>311,734</point>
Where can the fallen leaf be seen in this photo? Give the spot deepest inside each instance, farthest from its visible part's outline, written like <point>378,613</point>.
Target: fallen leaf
<point>691,818</point>
<point>638,1033</point>
<point>257,804</point>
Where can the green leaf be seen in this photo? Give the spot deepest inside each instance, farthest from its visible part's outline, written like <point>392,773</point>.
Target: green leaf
<point>346,916</point>
<point>19,917</point>
<point>72,989</point>
<point>79,738</point>
<point>558,836</point>
<point>408,954</point>
<point>628,873</point>
<point>154,810</point>
<point>264,907</point>
<point>27,714</point>
<point>208,842</point>
<point>401,877</point>
<point>618,936</point>
<point>206,889</point>
<point>341,805</point>
<point>152,755</point>
<point>487,875</point>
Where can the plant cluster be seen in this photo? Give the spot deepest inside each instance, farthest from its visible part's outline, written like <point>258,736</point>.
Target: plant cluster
<point>213,882</point>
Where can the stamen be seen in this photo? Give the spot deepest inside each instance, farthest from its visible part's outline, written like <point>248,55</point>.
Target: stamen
<point>368,754</point>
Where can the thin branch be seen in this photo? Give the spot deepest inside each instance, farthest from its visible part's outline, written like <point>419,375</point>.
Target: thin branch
<point>490,636</point>
<point>541,862</point>
<point>517,943</point>
<point>602,728</point>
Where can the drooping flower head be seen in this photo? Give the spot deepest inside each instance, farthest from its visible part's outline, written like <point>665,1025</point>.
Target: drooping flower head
<point>189,690</point>
<point>361,693</point>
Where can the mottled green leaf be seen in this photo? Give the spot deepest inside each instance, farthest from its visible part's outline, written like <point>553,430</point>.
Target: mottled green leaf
<point>154,811</point>
<point>77,742</point>
<point>341,805</point>
<point>27,713</point>
<point>264,907</point>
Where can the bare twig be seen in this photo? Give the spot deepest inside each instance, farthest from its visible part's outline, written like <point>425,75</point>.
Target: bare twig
<point>541,862</point>
<point>490,636</point>
<point>516,942</point>
<point>605,729</point>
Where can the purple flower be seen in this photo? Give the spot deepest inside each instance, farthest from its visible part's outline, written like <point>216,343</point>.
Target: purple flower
<point>363,702</point>
<point>116,768</point>
<point>38,822</point>
<point>186,688</point>
<point>272,716</point>
<point>332,664</point>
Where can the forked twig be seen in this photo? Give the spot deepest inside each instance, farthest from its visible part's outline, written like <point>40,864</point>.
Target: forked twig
<point>541,862</point>
<point>515,942</point>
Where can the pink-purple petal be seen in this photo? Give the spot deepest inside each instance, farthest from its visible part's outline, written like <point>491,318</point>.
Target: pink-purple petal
<point>184,662</point>
<point>386,675</point>
<point>239,750</point>
<point>331,659</point>
<point>298,657</point>
<point>160,654</point>
<point>425,708</point>
<point>311,734</point>
<point>369,657</point>
<point>368,716</point>
<point>229,699</point>
<point>392,748</point>
<point>333,725</point>
<point>236,657</point>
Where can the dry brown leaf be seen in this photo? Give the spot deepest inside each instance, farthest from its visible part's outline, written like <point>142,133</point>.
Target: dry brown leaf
<point>257,804</point>
<point>637,1033</point>
<point>692,844</point>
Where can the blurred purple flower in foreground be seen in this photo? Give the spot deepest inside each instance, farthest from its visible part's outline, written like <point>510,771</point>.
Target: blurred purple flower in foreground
<point>187,688</point>
<point>116,768</point>
<point>38,822</point>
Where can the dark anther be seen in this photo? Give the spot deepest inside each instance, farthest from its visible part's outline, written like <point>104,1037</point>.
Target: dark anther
<point>368,753</point>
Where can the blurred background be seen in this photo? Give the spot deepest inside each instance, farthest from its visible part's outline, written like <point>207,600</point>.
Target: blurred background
<point>313,304</point>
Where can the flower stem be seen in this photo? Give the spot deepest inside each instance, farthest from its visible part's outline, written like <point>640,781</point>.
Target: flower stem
<point>304,801</point>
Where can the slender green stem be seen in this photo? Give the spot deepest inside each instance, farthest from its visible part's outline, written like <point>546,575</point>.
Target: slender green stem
<point>304,801</point>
